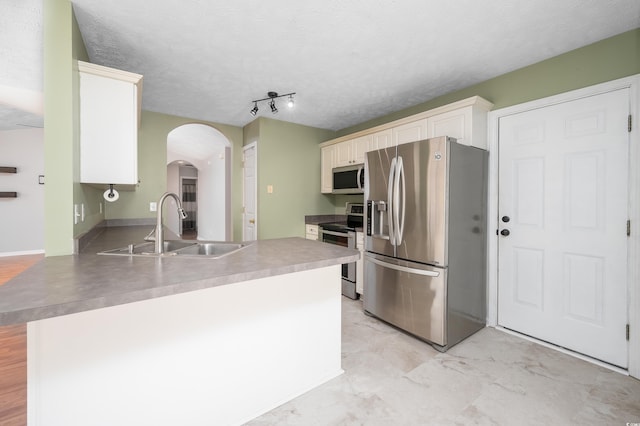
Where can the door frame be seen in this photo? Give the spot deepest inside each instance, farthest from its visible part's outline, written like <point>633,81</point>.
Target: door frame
<point>633,254</point>
<point>248,146</point>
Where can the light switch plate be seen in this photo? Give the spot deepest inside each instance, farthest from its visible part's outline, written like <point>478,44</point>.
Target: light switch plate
<point>153,206</point>
<point>76,213</point>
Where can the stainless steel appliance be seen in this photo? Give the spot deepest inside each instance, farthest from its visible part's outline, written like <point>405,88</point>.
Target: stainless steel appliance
<point>348,179</point>
<point>425,242</point>
<point>344,234</point>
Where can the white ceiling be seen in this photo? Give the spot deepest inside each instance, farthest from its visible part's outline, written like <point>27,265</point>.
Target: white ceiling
<point>348,61</point>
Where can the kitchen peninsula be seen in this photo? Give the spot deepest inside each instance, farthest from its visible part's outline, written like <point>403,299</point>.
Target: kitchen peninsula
<point>165,340</point>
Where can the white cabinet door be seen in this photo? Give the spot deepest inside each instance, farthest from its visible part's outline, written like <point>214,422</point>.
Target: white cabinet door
<point>351,152</point>
<point>108,126</point>
<point>379,140</point>
<point>359,147</point>
<point>410,132</point>
<point>327,159</point>
<point>311,232</point>
<point>455,123</point>
<point>343,154</point>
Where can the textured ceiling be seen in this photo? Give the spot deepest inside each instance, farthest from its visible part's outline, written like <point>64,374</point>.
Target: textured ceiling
<point>20,64</point>
<point>348,61</point>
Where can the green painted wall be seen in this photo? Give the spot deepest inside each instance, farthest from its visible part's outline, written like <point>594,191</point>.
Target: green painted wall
<point>288,159</point>
<point>62,46</point>
<point>606,60</point>
<point>152,168</point>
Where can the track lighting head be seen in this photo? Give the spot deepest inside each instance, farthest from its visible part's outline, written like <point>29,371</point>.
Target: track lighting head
<point>272,96</point>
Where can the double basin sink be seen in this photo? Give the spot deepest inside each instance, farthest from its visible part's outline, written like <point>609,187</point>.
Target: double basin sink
<point>179,248</point>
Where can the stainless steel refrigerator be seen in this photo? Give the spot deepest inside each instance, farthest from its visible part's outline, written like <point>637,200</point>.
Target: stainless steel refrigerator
<point>425,241</point>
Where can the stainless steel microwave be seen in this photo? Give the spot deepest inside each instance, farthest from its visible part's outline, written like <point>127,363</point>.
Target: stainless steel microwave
<point>348,179</point>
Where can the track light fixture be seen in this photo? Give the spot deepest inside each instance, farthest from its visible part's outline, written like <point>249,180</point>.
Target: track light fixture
<point>272,96</point>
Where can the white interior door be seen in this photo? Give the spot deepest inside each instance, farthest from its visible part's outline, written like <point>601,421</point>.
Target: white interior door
<point>563,199</point>
<point>249,217</point>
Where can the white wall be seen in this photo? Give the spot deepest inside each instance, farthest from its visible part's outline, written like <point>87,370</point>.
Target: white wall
<point>171,220</point>
<point>208,151</point>
<point>22,218</point>
<point>211,198</point>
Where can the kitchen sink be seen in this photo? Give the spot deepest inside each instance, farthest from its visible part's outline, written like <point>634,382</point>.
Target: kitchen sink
<point>179,248</point>
<point>210,249</point>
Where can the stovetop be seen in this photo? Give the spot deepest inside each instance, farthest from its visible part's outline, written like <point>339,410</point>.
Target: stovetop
<point>355,216</point>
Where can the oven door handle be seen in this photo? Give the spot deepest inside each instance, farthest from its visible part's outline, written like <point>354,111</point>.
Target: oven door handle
<point>337,234</point>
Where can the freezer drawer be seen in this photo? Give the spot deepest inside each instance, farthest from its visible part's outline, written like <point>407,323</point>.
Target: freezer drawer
<point>409,295</point>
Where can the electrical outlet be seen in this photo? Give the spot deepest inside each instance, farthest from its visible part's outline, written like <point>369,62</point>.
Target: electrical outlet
<point>153,206</point>
<point>82,212</point>
<point>76,213</point>
<point>100,206</point>
<point>269,189</point>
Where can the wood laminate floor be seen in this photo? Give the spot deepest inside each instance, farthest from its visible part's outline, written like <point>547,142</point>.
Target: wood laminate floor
<point>13,353</point>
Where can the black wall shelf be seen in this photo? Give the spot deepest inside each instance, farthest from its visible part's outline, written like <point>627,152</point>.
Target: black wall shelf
<point>4,169</point>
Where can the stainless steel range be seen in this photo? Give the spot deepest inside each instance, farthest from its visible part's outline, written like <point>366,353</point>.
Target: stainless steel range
<point>344,234</point>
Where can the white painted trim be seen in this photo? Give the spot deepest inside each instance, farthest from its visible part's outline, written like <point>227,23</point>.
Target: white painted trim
<point>633,273</point>
<point>21,253</point>
<point>251,145</point>
<point>95,69</point>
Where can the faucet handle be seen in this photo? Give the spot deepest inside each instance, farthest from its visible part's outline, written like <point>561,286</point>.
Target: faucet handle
<point>182,213</point>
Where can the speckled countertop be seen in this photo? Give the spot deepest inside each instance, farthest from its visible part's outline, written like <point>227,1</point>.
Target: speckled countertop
<point>63,285</point>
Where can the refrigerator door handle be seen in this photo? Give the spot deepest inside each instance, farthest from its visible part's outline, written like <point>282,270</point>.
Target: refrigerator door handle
<point>400,205</point>
<point>403,268</point>
<point>390,204</point>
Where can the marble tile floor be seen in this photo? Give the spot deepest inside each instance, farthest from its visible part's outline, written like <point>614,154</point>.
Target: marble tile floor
<point>491,378</point>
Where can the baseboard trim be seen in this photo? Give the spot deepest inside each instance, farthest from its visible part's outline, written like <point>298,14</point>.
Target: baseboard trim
<point>21,253</point>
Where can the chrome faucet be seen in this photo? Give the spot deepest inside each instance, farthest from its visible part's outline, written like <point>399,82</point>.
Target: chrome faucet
<point>159,228</point>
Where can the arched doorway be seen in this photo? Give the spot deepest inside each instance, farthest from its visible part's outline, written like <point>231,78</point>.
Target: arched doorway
<point>207,152</point>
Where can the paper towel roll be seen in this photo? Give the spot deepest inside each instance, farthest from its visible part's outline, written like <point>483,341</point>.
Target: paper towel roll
<point>111,195</point>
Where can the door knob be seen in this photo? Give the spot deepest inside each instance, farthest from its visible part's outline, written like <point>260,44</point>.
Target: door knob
<point>506,219</point>
<point>252,221</point>
<point>504,232</point>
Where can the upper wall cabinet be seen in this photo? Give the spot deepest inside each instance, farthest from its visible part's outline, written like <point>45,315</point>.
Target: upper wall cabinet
<point>409,132</point>
<point>109,119</point>
<point>352,151</point>
<point>460,125</point>
<point>381,139</point>
<point>327,161</point>
<point>465,120</point>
